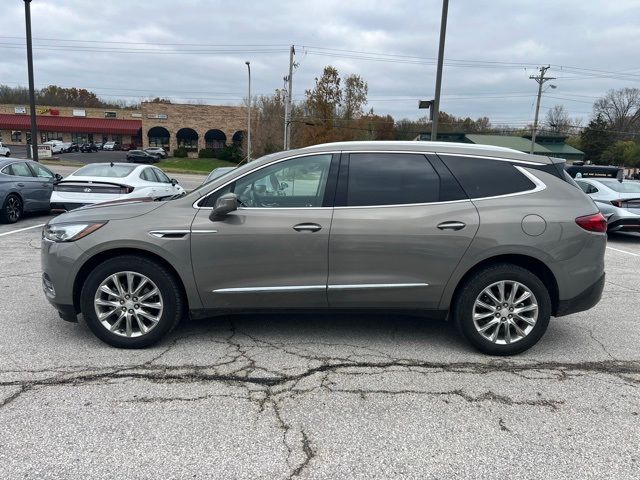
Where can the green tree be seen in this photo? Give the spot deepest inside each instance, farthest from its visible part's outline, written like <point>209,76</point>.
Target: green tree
<point>622,153</point>
<point>595,139</point>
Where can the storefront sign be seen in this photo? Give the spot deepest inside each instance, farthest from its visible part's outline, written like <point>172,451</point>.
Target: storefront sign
<point>159,116</point>
<point>109,114</point>
<point>42,111</point>
<point>44,151</point>
<point>54,111</point>
<point>20,110</point>
<point>79,113</point>
<point>136,115</point>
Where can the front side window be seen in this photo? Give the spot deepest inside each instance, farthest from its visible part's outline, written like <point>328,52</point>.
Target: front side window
<point>391,179</point>
<point>148,175</point>
<point>483,177</point>
<point>40,171</point>
<point>299,182</point>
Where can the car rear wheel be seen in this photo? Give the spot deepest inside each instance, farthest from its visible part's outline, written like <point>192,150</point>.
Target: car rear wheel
<point>131,302</point>
<point>503,309</point>
<point>7,154</point>
<point>12,209</point>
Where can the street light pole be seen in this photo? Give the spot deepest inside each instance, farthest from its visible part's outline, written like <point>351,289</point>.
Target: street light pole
<point>32,95</point>
<point>249,115</point>
<point>436,100</point>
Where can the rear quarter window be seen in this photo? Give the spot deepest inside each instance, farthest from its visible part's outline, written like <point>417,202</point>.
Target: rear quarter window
<point>482,177</point>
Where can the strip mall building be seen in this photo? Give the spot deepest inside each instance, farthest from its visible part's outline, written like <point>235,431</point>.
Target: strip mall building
<point>155,124</point>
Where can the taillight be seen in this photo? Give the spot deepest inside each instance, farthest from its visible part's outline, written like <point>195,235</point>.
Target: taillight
<point>593,223</point>
<point>616,203</point>
<point>126,189</point>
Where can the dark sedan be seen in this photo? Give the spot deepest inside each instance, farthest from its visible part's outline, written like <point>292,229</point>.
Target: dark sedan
<point>140,156</point>
<point>88,147</point>
<point>25,186</point>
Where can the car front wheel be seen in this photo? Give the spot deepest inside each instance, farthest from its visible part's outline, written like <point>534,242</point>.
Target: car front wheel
<point>131,302</point>
<point>503,309</point>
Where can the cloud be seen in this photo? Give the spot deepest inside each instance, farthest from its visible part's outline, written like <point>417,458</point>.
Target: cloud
<point>595,34</point>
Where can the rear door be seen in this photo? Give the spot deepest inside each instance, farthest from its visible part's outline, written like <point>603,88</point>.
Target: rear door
<point>272,251</point>
<point>26,184</point>
<point>400,226</point>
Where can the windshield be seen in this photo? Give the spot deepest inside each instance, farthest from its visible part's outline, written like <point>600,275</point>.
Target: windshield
<point>622,187</point>
<point>105,170</point>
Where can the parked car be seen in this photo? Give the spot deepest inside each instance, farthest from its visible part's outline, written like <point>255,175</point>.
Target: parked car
<point>157,151</point>
<point>4,150</point>
<point>140,156</point>
<point>88,147</point>
<point>98,145</point>
<point>465,232</point>
<point>618,200</point>
<point>103,182</point>
<point>25,186</point>
<point>66,146</point>
<point>56,146</point>
<point>216,173</point>
<point>128,146</point>
<point>74,147</point>
<point>111,146</point>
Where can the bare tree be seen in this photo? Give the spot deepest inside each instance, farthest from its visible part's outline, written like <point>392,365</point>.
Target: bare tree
<point>558,120</point>
<point>620,109</point>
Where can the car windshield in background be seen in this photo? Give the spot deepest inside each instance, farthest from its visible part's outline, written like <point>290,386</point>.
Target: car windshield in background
<point>622,187</point>
<point>107,170</point>
<point>217,173</point>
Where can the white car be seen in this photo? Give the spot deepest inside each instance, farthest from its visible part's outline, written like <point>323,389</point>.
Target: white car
<point>4,151</point>
<point>111,146</point>
<point>157,151</point>
<point>104,182</point>
<point>56,146</point>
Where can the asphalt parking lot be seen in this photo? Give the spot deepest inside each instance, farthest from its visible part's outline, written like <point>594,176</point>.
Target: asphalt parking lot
<point>92,157</point>
<point>316,396</point>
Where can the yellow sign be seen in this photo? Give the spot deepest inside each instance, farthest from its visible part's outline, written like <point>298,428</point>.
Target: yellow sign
<point>42,110</point>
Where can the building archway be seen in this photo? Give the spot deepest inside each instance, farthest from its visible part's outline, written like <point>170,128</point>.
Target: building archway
<point>215,139</point>
<point>238,138</point>
<point>187,138</point>
<point>159,137</point>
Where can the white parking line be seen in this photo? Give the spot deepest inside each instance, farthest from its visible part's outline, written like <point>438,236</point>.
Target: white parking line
<point>21,229</point>
<point>624,251</point>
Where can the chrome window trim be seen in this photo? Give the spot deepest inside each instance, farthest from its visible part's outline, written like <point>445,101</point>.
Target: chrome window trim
<point>195,204</point>
<point>539,184</point>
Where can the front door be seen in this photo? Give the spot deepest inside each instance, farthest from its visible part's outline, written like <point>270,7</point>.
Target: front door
<point>272,251</point>
<point>400,226</point>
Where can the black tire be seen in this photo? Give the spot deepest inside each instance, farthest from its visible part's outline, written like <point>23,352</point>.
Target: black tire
<point>463,307</point>
<point>12,209</point>
<point>174,307</point>
<point>7,154</point>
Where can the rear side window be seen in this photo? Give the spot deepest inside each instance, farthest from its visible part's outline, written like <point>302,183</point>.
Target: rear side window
<point>148,175</point>
<point>391,179</point>
<point>482,177</point>
<point>19,170</point>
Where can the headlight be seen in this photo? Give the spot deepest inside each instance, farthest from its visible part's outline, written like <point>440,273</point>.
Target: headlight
<point>69,232</point>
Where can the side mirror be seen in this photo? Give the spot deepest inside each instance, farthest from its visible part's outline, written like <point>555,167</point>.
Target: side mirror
<point>224,205</point>
<point>58,177</point>
<point>174,182</point>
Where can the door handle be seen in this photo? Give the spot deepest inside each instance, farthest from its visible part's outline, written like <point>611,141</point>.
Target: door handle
<point>451,225</point>
<point>21,184</point>
<point>307,227</point>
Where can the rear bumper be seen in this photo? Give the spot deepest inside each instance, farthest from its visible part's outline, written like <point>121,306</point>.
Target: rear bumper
<point>625,225</point>
<point>61,207</point>
<point>585,300</point>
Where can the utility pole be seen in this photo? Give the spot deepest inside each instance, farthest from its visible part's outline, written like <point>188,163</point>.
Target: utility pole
<point>33,152</point>
<point>287,107</point>
<point>540,79</point>
<point>436,100</point>
<point>249,115</point>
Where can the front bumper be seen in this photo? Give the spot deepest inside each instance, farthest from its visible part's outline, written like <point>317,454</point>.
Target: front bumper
<point>625,225</point>
<point>585,300</point>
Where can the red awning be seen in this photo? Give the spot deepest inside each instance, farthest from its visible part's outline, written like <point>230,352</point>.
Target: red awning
<point>71,124</point>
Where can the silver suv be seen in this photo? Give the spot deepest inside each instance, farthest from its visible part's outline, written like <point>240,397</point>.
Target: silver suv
<point>493,239</point>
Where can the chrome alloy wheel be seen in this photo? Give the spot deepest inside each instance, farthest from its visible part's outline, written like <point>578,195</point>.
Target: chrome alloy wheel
<point>128,304</point>
<point>505,312</point>
<point>13,208</point>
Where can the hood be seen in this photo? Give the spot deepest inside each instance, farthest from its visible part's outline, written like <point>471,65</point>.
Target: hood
<point>115,210</point>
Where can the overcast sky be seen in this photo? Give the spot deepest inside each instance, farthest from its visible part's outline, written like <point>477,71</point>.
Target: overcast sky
<point>193,50</point>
